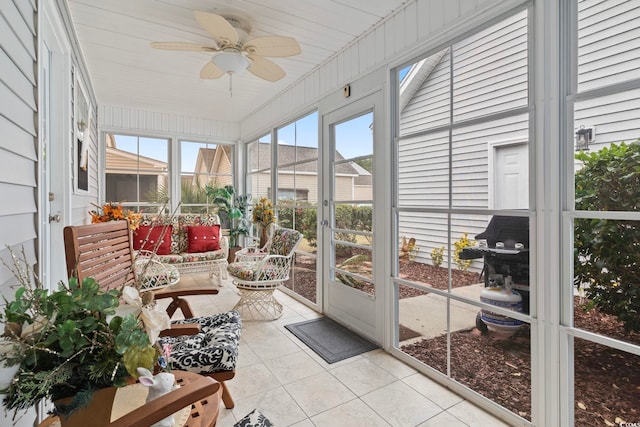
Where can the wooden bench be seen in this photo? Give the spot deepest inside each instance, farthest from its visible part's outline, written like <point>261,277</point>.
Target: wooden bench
<point>104,251</point>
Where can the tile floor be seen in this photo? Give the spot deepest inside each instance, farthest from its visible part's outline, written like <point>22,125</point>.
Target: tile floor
<point>293,386</point>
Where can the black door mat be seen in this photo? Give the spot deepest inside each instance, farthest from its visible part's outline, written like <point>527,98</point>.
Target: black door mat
<point>330,340</point>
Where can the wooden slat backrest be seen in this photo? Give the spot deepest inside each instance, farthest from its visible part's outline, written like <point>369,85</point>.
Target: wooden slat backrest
<point>103,251</point>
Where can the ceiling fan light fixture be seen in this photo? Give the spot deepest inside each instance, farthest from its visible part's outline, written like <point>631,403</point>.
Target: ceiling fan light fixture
<point>231,61</point>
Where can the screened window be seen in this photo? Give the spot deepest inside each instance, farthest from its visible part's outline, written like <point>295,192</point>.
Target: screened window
<point>137,171</point>
<point>203,165</point>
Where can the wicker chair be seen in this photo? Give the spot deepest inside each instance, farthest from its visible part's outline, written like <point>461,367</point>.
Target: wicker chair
<point>257,274</point>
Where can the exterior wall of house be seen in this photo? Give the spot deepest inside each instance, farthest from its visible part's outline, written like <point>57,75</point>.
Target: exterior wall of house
<point>345,189</point>
<point>418,22</point>
<point>18,127</point>
<point>424,170</point>
<point>299,181</point>
<point>18,146</point>
<point>604,60</point>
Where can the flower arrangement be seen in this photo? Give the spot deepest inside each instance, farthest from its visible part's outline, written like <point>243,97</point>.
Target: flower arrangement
<point>67,343</point>
<point>115,212</point>
<point>263,214</point>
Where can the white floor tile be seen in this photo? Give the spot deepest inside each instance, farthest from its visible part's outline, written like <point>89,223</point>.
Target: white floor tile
<point>443,419</point>
<point>474,416</point>
<point>250,380</point>
<point>433,391</point>
<point>351,414</point>
<point>389,363</point>
<point>362,376</point>
<point>319,393</point>
<point>292,367</point>
<point>275,346</point>
<point>304,423</point>
<point>276,404</point>
<point>400,405</point>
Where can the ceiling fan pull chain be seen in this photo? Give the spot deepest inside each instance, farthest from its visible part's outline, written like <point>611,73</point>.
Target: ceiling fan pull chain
<point>230,85</point>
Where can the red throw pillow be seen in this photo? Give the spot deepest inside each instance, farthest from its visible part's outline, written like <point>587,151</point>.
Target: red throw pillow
<point>146,238</point>
<point>203,238</point>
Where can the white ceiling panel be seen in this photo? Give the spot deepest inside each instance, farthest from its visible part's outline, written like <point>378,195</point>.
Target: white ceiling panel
<point>115,37</point>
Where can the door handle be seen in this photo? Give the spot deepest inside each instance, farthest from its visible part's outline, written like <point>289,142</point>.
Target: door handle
<point>54,218</point>
<point>324,223</point>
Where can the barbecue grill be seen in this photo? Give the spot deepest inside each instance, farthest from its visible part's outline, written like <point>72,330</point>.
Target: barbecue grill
<point>504,246</point>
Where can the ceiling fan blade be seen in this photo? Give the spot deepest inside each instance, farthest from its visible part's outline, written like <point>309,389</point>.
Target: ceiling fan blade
<point>218,27</point>
<point>210,71</point>
<point>192,47</point>
<point>265,69</point>
<point>274,46</point>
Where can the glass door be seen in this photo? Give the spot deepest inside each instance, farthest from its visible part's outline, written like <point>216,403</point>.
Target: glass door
<point>350,293</point>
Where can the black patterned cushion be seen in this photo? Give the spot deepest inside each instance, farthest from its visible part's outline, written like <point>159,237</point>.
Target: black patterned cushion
<point>214,349</point>
<point>254,418</point>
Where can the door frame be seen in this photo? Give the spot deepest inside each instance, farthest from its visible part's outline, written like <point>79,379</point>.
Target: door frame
<point>54,144</point>
<point>373,328</point>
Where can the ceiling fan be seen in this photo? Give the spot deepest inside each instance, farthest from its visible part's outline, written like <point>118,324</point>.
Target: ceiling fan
<point>234,51</point>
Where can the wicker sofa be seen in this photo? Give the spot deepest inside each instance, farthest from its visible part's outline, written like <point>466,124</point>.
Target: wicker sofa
<point>215,262</point>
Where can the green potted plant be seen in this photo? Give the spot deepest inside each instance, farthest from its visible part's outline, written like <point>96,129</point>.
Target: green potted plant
<point>68,344</point>
<point>232,209</point>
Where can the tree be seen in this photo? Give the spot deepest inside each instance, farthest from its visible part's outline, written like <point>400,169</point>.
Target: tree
<point>607,252</point>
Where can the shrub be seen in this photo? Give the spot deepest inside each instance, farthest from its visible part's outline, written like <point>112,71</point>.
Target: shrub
<point>437,255</point>
<point>459,245</point>
<point>607,252</point>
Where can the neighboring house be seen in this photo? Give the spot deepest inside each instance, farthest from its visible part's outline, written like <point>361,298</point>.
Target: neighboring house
<point>490,166</point>
<point>127,172</point>
<point>213,167</point>
<point>298,175</point>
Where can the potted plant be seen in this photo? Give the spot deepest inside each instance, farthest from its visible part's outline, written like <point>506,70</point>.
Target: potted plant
<point>263,217</point>
<point>232,209</point>
<point>68,344</point>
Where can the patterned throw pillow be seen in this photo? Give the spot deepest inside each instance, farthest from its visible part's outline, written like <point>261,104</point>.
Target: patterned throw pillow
<point>203,238</point>
<point>153,238</point>
<point>254,418</point>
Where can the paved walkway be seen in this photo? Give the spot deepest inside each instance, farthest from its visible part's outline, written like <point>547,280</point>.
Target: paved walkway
<point>427,314</point>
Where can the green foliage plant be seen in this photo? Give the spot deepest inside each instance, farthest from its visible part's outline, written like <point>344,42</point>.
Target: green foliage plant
<point>437,256</point>
<point>459,245</point>
<point>606,251</point>
<point>68,342</point>
<point>234,207</point>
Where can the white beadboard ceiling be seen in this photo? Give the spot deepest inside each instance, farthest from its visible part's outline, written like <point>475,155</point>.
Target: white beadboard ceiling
<point>114,36</point>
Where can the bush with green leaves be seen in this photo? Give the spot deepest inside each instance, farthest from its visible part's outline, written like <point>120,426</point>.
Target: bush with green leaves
<point>607,251</point>
<point>348,217</point>
<point>68,342</point>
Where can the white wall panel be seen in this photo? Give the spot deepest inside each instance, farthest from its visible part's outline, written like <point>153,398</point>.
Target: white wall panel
<point>131,120</point>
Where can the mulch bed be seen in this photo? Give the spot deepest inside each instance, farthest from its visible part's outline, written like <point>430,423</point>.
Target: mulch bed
<point>607,381</point>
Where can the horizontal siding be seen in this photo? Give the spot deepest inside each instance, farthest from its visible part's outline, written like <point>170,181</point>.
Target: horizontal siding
<point>430,232</point>
<point>430,105</point>
<point>615,117</point>
<point>490,70</point>
<point>18,219</point>
<point>608,42</point>
<point>423,171</point>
